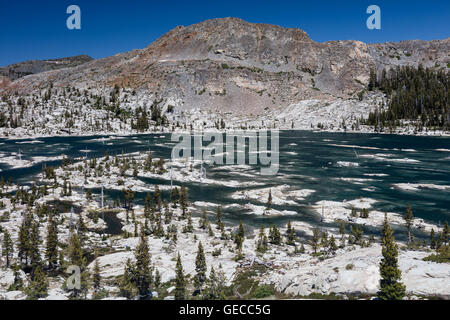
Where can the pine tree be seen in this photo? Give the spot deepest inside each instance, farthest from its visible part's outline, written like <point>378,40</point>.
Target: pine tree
<point>291,237</point>
<point>200,267</point>
<point>96,278</point>
<point>315,240</point>
<point>180,281</point>
<point>18,281</point>
<point>157,281</point>
<point>183,200</point>
<point>143,272</point>
<point>7,247</point>
<point>75,252</point>
<point>174,197</point>
<point>439,241</point>
<point>215,288</point>
<point>24,246</point>
<point>409,221</point>
<point>35,240</point>
<point>342,232</point>
<point>302,249</point>
<point>210,231</point>
<point>38,286</point>
<point>157,198</point>
<point>445,232</point>
<point>219,217</point>
<point>324,239</point>
<point>332,244</point>
<point>51,251</point>
<point>432,240</point>
<point>269,200</point>
<point>261,245</point>
<point>167,213</point>
<point>81,229</point>
<point>126,286</point>
<point>239,236</point>
<point>274,235</point>
<point>204,220</point>
<point>390,286</point>
<point>76,258</point>
<point>189,228</point>
<point>211,289</point>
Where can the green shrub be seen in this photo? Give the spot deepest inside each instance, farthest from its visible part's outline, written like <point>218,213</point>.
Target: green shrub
<point>263,291</point>
<point>442,256</point>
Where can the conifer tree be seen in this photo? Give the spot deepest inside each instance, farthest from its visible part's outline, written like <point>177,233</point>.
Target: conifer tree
<point>167,213</point>
<point>189,228</point>
<point>204,220</point>
<point>180,281</point>
<point>432,240</point>
<point>274,235</point>
<point>262,240</point>
<point>219,217</point>
<point>324,239</point>
<point>157,198</point>
<point>409,221</point>
<point>157,281</point>
<point>174,197</point>
<point>35,240</point>
<point>183,200</point>
<point>439,241</point>
<point>315,240</point>
<point>96,278</point>
<point>215,288</point>
<point>24,246</point>
<point>342,232</point>
<point>18,281</point>
<point>390,286</point>
<point>51,251</point>
<point>290,234</point>
<point>269,200</point>
<point>38,286</point>
<point>75,252</point>
<point>7,247</point>
<point>332,244</point>
<point>126,286</point>
<point>239,236</point>
<point>302,249</point>
<point>76,258</point>
<point>143,272</point>
<point>81,229</point>
<point>200,268</point>
<point>445,232</point>
<point>211,289</point>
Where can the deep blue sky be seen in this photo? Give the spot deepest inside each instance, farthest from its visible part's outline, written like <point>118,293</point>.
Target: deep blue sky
<point>36,29</point>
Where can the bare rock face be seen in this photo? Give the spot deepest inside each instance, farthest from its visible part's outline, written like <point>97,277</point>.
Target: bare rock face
<point>229,65</point>
<point>357,272</point>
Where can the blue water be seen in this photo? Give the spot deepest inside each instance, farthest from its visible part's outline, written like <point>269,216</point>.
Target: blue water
<point>310,164</point>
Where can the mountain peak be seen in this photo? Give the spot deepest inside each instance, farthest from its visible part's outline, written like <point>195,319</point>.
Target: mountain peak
<point>233,65</point>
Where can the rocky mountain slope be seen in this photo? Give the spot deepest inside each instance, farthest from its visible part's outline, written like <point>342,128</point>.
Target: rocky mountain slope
<point>229,66</point>
<point>22,69</point>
